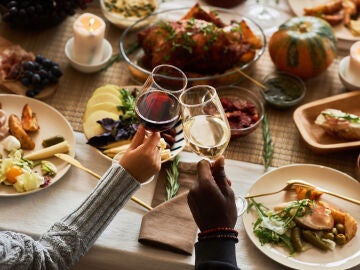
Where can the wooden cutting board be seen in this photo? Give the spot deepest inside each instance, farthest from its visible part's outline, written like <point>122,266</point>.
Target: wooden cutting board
<point>16,86</point>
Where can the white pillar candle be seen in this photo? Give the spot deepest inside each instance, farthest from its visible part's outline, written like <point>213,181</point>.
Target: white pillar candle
<point>354,64</point>
<point>89,31</point>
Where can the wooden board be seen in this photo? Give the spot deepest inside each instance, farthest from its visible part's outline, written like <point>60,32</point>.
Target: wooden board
<point>15,86</point>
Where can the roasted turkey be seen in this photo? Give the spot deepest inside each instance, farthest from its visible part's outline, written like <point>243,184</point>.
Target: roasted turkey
<point>198,43</point>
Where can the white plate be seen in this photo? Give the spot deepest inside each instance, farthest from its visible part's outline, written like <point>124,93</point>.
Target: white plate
<point>341,31</point>
<point>342,257</point>
<point>51,123</point>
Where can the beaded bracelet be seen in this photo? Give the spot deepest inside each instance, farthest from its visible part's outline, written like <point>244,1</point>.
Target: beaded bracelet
<point>218,230</point>
<point>219,236</point>
<point>219,233</point>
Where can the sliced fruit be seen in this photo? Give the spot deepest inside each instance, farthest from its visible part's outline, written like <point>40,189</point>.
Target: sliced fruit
<point>109,88</point>
<point>91,128</point>
<point>104,106</point>
<point>103,97</point>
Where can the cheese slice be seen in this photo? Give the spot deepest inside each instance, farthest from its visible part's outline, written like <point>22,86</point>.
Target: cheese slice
<point>50,151</point>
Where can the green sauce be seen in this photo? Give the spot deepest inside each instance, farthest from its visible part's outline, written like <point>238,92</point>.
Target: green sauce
<point>283,89</point>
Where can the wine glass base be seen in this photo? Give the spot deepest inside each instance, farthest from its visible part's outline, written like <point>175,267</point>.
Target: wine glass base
<point>149,180</point>
<point>267,17</point>
<point>241,205</point>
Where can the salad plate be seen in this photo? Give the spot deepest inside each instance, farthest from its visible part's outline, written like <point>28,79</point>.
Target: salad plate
<point>52,123</point>
<point>342,257</point>
<point>340,30</point>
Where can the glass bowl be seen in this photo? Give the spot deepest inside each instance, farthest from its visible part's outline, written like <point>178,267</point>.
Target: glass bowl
<point>284,90</point>
<point>133,54</point>
<point>248,112</point>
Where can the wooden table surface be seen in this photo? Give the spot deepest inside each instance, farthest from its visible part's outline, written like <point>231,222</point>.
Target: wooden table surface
<point>73,91</point>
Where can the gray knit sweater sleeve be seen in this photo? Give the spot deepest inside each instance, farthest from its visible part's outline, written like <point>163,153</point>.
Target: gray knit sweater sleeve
<point>70,238</point>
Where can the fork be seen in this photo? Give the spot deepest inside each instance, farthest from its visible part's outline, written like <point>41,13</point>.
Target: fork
<point>285,188</point>
<point>291,183</point>
<point>307,184</point>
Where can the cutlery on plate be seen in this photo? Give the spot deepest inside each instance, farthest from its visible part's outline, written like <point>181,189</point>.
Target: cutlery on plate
<point>291,183</point>
<point>69,159</point>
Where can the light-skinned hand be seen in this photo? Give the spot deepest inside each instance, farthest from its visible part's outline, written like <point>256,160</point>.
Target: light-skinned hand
<point>142,159</point>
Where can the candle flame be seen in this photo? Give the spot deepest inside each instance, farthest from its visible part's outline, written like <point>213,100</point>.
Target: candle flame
<point>91,24</point>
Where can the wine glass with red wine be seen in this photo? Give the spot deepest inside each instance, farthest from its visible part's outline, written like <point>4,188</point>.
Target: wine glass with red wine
<point>157,106</point>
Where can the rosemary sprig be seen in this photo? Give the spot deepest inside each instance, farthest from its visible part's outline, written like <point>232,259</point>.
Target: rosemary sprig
<point>118,57</point>
<point>172,185</point>
<point>268,147</point>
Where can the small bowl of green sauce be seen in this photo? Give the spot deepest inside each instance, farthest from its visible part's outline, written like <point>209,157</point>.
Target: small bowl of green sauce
<point>283,90</point>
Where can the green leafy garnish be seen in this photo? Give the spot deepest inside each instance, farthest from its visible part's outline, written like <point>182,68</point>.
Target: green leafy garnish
<point>347,116</point>
<point>48,168</point>
<point>273,228</point>
<point>172,173</point>
<point>127,106</point>
<point>118,57</point>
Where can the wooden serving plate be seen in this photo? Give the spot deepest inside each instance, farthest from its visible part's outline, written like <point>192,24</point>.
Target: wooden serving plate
<point>16,86</point>
<point>315,136</point>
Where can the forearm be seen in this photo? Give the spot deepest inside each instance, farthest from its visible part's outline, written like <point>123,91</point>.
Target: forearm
<point>95,213</point>
<point>67,240</point>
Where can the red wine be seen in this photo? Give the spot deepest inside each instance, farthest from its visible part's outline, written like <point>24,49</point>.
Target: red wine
<point>157,110</point>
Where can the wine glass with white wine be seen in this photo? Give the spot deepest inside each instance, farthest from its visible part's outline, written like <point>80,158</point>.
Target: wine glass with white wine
<point>266,14</point>
<point>205,126</point>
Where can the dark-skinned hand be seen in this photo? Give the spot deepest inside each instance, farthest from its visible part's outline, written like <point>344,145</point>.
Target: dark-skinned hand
<point>211,199</point>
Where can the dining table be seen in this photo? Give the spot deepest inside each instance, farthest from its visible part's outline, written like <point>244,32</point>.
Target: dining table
<point>118,246</point>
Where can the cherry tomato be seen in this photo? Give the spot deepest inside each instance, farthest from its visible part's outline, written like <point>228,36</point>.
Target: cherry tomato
<point>12,173</point>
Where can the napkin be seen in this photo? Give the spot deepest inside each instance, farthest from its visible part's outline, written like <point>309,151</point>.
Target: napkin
<point>170,225</point>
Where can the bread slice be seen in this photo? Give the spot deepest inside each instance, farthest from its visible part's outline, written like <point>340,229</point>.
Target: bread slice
<point>339,124</point>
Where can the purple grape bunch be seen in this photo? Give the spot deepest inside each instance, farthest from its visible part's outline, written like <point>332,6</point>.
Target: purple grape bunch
<point>39,13</point>
<point>36,75</point>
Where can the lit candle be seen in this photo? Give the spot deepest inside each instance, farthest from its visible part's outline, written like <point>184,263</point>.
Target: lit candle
<point>354,64</point>
<point>89,31</point>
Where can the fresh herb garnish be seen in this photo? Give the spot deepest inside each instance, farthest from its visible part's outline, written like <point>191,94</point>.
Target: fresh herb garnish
<point>272,228</point>
<point>346,116</point>
<point>268,147</point>
<point>127,106</point>
<point>115,130</point>
<point>118,57</point>
<point>172,173</point>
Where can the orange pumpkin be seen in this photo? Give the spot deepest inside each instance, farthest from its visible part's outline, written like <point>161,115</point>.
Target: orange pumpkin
<point>304,46</point>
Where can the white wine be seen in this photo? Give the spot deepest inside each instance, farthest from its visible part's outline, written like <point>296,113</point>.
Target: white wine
<point>207,135</point>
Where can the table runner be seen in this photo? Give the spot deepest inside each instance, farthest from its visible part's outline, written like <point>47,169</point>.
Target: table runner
<point>75,88</point>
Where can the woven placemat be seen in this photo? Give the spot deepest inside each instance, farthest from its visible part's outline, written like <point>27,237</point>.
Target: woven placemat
<point>75,88</point>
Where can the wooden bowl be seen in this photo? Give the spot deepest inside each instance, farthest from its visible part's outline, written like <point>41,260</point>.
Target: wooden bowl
<point>316,137</point>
